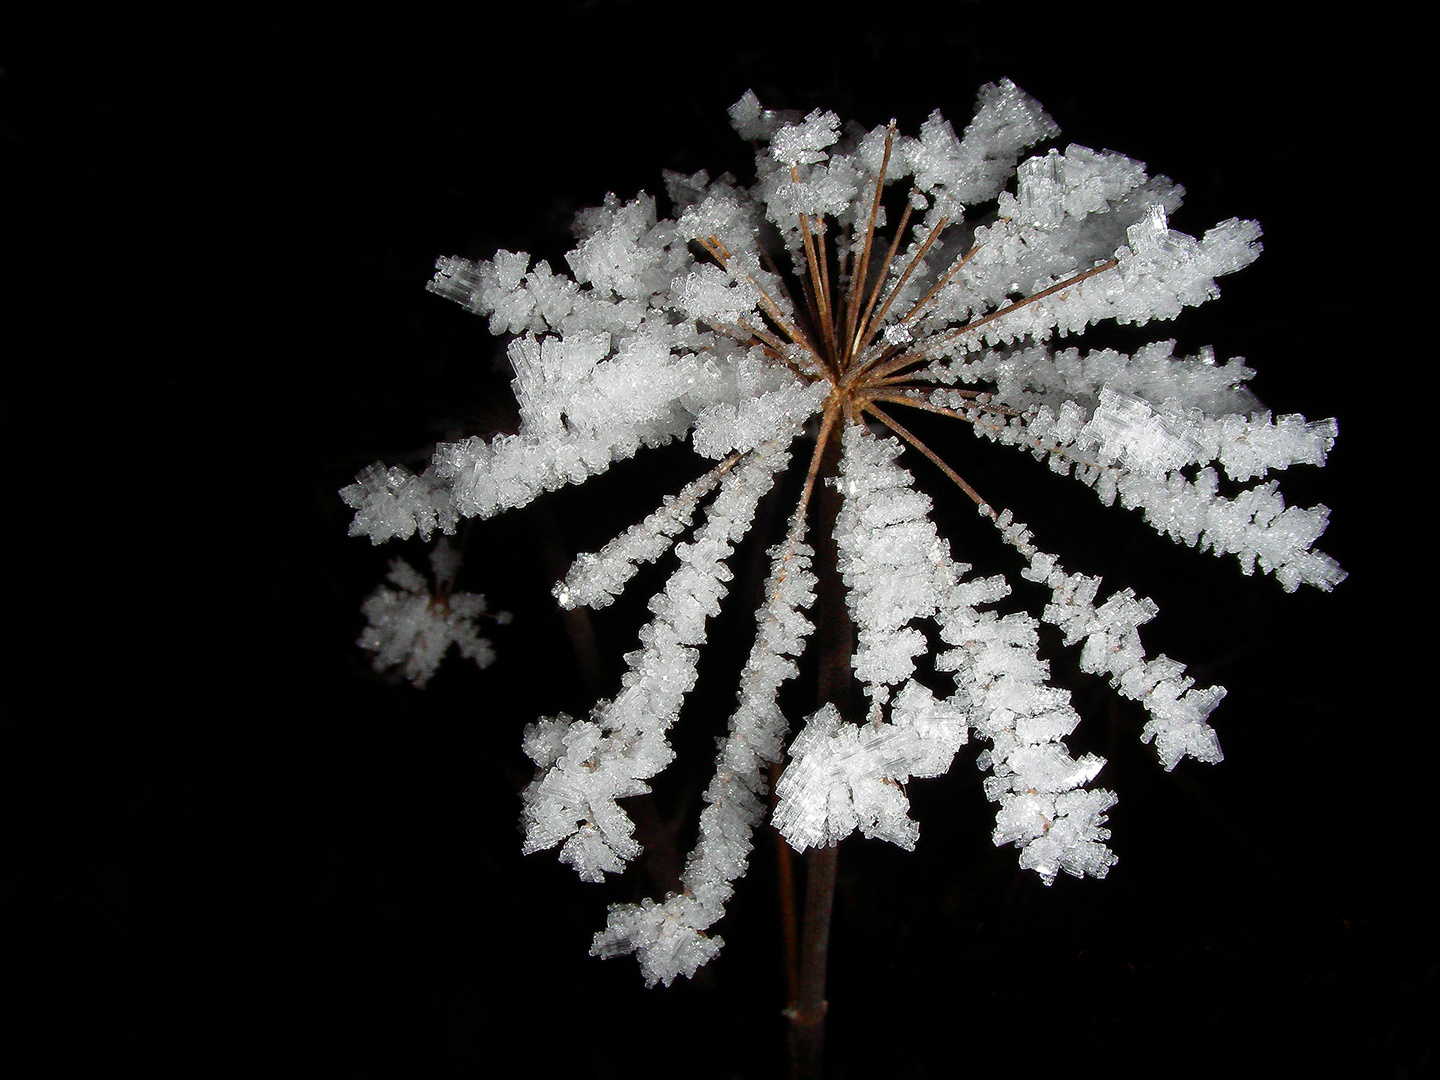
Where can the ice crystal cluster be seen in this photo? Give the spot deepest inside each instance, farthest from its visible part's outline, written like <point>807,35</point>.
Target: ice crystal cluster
<point>409,628</point>
<point>930,272</point>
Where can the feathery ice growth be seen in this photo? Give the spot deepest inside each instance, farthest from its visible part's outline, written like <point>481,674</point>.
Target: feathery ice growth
<point>943,295</point>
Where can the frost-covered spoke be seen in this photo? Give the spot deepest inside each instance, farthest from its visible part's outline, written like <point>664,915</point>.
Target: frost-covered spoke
<point>594,580</point>
<point>1161,459</point>
<point>895,566</point>
<point>1001,683</point>
<point>670,938</point>
<point>584,767</point>
<point>1110,645</point>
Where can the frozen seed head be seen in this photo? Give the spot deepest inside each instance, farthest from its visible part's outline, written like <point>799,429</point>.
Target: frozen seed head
<point>859,275</point>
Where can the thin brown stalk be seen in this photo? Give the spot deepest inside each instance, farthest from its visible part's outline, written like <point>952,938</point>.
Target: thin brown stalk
<point>772,346</point>
<point>860,330</point>
<point>1049,448</point>
<point>890,367</point>
<point>835,641</point>
<point>794,333</point>
<point>807,1012</point>
<point>717,250</point>
<point>857,281</point>
<point>827,427</point>
<point>789,923</point>
<point>1067,283</point>
<point>935,289</point>
<point>783,863</point>
<point>827,314</point>
<point>894,396</point>
<point>819,280</point>
<point>871,325</point>
<point>935,459</point>
<point>769,264</point>
<point>772,310</point>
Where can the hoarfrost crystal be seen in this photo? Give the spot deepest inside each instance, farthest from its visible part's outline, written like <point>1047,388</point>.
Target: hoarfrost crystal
<point>666,328</point>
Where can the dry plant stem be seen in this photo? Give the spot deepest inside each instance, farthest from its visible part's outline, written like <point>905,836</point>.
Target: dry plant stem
<point>807,1015</point>
<point>934,290</point>
<point>784,863</point>
<point>785,878</point>
<point>871,396</point>
<point>858,387</point>
<point>836,639</point>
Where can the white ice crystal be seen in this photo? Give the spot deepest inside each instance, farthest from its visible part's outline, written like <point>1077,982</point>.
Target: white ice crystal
<point>410,627</point>
<point>845,777</point>
<point>943,295</point>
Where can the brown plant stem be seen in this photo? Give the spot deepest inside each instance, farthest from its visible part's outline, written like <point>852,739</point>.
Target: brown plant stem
<point>807,1014</point>
<point>789,934</point>
<point>835,636</point>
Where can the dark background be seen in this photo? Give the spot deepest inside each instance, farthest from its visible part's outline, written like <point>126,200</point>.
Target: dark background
<point>229,848</point>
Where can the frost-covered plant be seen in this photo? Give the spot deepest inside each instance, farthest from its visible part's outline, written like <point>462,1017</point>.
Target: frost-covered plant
<point>667,327</point>
<point>409,628</point>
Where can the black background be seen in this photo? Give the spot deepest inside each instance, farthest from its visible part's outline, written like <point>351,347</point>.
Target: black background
<point>229,848</point>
